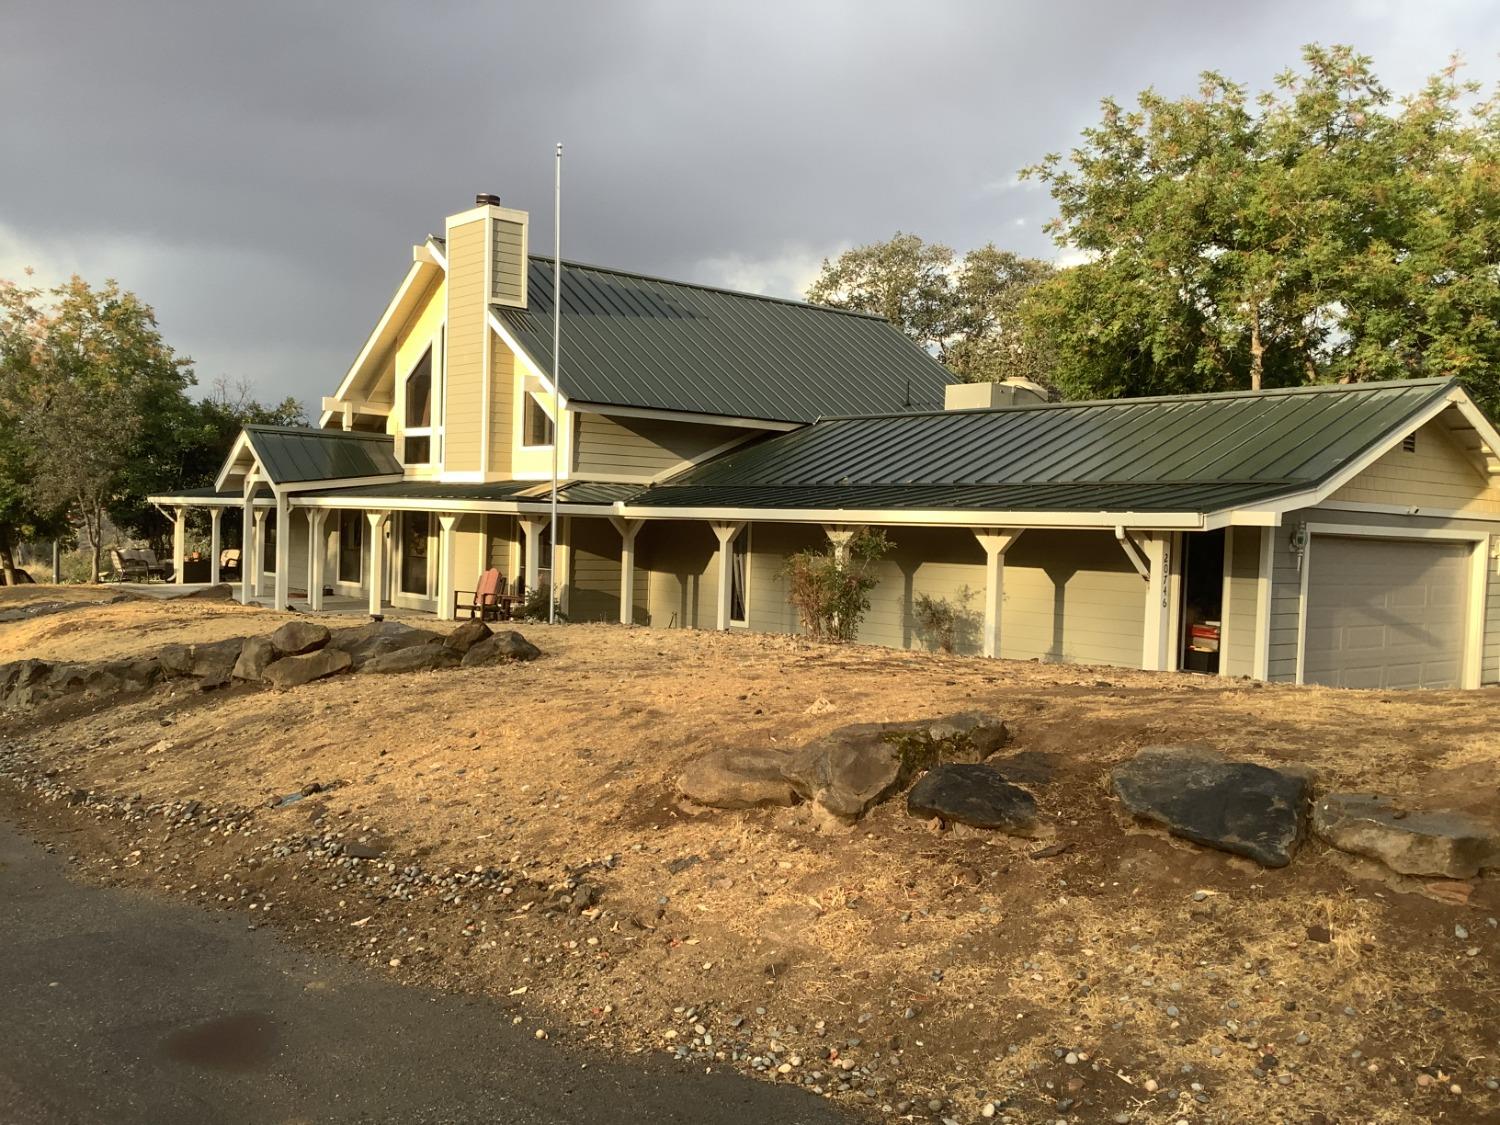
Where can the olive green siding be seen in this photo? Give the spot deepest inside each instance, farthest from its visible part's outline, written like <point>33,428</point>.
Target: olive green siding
<point>683,560</point>
<point>468,335</point>
<point>594,574</point>
<point>642,448</point>
<point>1241,601</point>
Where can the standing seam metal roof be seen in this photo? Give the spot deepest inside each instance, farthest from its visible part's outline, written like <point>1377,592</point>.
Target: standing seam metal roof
<point>632,340</point>
<point>299,454</point>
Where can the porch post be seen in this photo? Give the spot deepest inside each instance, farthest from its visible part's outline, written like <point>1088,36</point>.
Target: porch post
<point>247,543</point>
<point>725,533</point>
<point>995,541</point>
<point>627,529</point>
<point>179,545</point>
<point>258,558</point>
<point>447,541</point>
<point>531,528</point>
<point>377,558</point>
<point>839,535</point>
<point>1156,649</point>
<point>215,543</point>
<point>317,557</point>
<point>283,550</point>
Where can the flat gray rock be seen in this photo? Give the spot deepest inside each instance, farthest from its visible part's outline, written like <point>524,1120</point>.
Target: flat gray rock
<point>501,648</point>
<point>413,658</point>
<point>973,794</point>
<point>293,671</point>
<point>297,637</point>
<point>1236,807</point>
<point>1432,842</point>
<point>733,778</point>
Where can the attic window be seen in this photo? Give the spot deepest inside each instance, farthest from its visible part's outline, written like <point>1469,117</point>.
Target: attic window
<point>1409,443</point>
<point>536,429</point>
<point>417,428</point>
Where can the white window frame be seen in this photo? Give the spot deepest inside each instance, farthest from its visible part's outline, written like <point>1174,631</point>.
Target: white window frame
<point>540,399</point>
<point>429,431</point>
<point>740,622</point>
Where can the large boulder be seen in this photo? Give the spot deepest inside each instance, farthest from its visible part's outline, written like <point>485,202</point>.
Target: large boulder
<point>973,794</point>
<point>467,635</point>
<point>732,778</point>
<point>501,648</point>
<point>1433,842</point>
<point>215,660</point>
<point>1238,807</point>
<point>297,637</point>
<point>176,659</point>
<point>847,772</point>
<point>293,671</point>
<point>415,658</point>
<point>256,655</point>
<point>365,642</point>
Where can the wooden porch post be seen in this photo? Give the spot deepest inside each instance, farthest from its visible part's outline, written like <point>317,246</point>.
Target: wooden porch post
<point>317,557</point>
<point>627,529</point>
<point>447,541</point>
<point>377,558</point>
<point>1156,649</point>
<point>247,543</point>
<point>215,543</point>
<point>258,559</point>
<point>283,550</point>
<point>725,533</point>
<point>179,545</point>
<point>531,528</point>
<point>995,541</point>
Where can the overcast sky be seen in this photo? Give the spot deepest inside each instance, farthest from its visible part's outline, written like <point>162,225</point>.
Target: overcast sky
<point>259,171</point>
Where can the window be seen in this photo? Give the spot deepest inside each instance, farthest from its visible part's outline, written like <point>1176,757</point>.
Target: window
<point>739,560</point>
<point>351,538</point>
<point>537,423</point>
<point>417,427</point>
<point>268,548</point>
<point>415,529</point>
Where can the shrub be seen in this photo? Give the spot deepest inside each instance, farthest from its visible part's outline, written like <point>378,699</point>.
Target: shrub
<point>946,626</point>
<point>831,588</point>
<point>534,608</point>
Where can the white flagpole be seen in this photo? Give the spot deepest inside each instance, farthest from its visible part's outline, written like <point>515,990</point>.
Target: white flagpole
<point>552,592</point>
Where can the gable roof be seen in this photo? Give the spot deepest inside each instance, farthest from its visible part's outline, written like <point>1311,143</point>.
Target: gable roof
<point>1184,453</point>
<point>299,455</point>
<point>633,340</point>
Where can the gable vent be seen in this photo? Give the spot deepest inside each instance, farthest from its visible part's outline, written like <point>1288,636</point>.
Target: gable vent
<point>1409,443</point>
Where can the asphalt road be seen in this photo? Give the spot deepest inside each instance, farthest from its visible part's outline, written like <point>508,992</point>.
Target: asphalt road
<point>119,1007</point>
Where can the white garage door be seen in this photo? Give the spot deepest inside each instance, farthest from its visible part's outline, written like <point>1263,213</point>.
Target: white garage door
<point>1385,613</point>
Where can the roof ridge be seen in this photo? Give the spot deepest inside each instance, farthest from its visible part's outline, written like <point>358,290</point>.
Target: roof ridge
<point>542,258</point>
<point>313,431</point>
<point>1195,396</point>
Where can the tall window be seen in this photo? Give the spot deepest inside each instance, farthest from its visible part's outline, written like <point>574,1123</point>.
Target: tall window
<point>268,548</point>
<point>415,529</point>
<point>351,534</point>
<point>536,426</point>
<point>739,560</point>
<point>418,423</point>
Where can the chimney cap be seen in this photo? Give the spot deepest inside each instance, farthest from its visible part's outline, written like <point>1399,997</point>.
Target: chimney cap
<point>486,199</point>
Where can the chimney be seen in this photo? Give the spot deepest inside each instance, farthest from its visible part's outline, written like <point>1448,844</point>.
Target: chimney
<point>987,396</point>
<point>486,199</point>
<point>491,239</point>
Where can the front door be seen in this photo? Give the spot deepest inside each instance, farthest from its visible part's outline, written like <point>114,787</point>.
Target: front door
<point>416,532</point>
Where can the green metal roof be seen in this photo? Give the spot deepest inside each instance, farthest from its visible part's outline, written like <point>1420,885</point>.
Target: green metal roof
<point>508,491</point>
<point>631,340</point>
<point>298,454</point>
<point>1180,453</point>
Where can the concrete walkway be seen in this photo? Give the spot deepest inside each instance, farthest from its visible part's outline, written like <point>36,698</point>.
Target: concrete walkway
<point>120,1007</point>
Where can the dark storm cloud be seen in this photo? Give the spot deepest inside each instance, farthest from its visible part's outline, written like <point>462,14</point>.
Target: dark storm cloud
<point>258,171</point>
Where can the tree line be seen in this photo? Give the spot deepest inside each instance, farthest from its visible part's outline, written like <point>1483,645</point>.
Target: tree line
<point>95,415</point>
<point>1321,231</point>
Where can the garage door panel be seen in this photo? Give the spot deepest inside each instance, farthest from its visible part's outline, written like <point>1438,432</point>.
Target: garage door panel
<point>1385,613</point>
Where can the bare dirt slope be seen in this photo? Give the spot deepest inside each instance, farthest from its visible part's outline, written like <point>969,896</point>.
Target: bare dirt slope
<point>1130,977</point>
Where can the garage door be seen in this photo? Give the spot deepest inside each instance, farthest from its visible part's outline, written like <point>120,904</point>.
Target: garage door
<point>1385,613</point>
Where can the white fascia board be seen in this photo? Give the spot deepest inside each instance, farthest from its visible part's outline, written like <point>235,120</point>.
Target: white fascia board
<point>544,377</point>
<point>383,327</point>
<point>241,445</point>
<point>686,416</point>
<point>232,500</point>
<point>346,482</point>
<point>1144,521</point>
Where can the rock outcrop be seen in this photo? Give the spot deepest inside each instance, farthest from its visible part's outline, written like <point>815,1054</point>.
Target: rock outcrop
<point>293,671</point>
<point>1431,842</point>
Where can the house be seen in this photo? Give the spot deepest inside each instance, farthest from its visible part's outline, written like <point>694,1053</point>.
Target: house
<point>1341,535</point>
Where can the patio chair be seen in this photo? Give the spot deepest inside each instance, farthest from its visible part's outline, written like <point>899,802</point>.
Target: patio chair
<point>483,600</point>
<point>229,562</point>
<point>511,601</point>
<point>128,568</point>
<point>162,569</point>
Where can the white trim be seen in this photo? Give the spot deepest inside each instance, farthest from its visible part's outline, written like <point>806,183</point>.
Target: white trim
<point>341,482</point>
<point>1394,532</point>
<point>486,358</point>
<point>1302,577</point>
<point>521,354</point>
<point>241,445</point>
<point>1474,634</point>
<point>685,416</point>
<point>398,392</point>
<point>1409,510</point>
<point>1261,669</point>
<point>747,530</point>
<point>376,335</point>
<point>1183,521</point>
<point>1227,581</point>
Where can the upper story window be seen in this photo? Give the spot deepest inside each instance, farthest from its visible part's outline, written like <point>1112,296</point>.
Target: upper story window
<point>537,428</point>
<point>417,428</point>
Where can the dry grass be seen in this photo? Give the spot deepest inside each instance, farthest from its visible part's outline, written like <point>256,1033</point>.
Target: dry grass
<point>550,766</point>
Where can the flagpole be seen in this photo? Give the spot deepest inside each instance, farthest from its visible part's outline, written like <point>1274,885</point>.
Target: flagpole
<point>552,592</point>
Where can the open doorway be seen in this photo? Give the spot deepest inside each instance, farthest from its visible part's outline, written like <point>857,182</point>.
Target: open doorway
<point>1202,601</point>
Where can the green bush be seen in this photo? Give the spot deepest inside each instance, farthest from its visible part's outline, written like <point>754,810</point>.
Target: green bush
<point>946,625</point>
<point>831,588</point>
<point>534,608</point>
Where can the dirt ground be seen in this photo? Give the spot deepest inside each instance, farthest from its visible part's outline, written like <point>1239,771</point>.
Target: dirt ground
<point>919,975</point>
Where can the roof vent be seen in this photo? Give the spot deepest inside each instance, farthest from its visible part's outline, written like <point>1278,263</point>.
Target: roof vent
<point>987,396</point>
<point>486,199</point>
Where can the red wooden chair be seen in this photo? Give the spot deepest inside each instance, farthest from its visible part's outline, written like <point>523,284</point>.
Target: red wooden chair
<point>483,600</point>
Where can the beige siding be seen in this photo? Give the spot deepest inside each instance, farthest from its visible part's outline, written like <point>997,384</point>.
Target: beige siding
<point>468,334</point>
<point>1072,596</point>
<point>469,546</point>
<point>771,544</point>
<point>594,586</point>
<point>642,447</point>
<point>683,559</point>
<point>502,398</point>
<point>1436,475</point>
<point>508,284</point>
<point>1242,599</point>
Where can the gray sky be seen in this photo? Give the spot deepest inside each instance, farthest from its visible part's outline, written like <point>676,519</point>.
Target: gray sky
<point>259,172</point>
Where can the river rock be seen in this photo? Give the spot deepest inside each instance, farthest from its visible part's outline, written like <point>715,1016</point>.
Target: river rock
<point>1437,842</point>
<point>1237,807</point>
<point>414,658</point>
<point>467,635</point>
<point>255,657</point>
<point>973,794</point>
<point>847,772</point>
<point>501,648</point>
<point>293,671</point>
<point>734,778</point>
<point>297,637</point>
